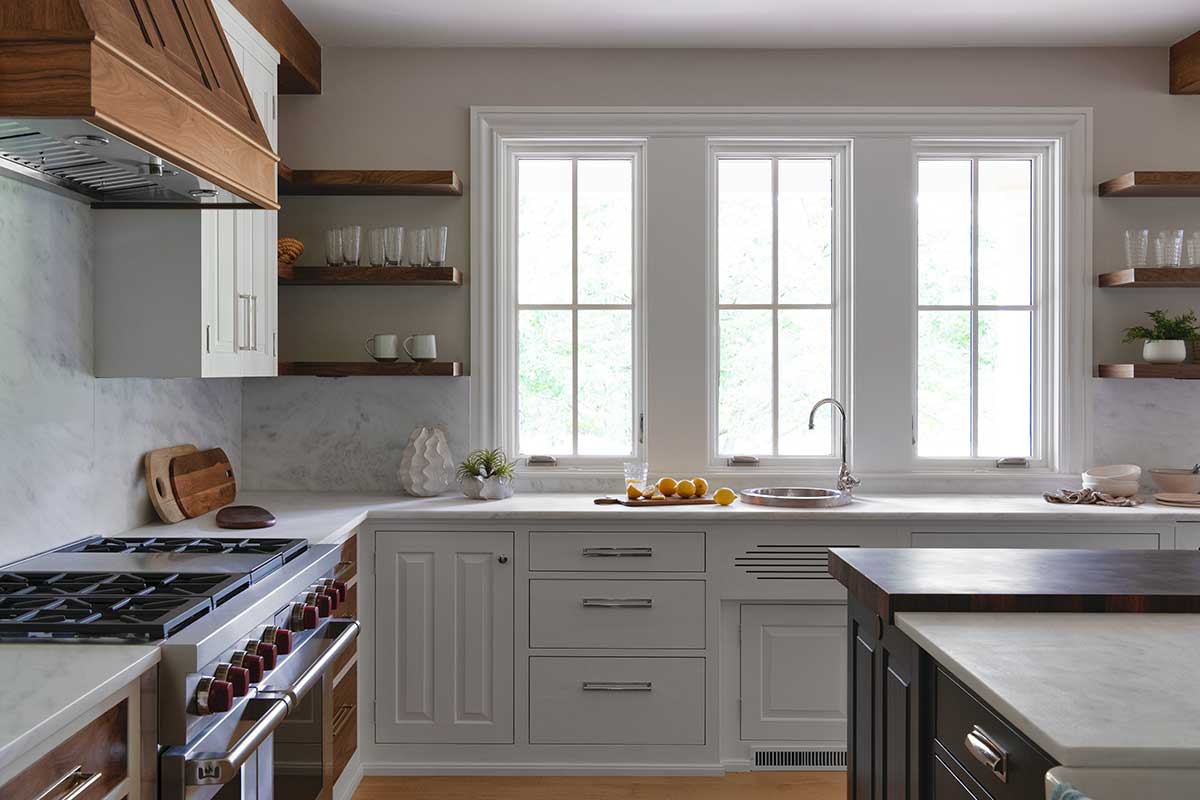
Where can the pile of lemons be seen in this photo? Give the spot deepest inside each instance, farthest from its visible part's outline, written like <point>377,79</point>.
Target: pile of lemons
<point>689,487</point>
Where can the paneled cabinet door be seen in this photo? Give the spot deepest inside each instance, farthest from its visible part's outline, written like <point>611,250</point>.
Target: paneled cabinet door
<point>444,621</point>
<point>794,673</point>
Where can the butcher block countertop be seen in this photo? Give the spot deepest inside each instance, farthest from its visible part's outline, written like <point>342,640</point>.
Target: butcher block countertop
<point>889,581</point>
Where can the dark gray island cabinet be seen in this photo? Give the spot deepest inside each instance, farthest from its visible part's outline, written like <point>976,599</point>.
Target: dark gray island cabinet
<point>916,731</point>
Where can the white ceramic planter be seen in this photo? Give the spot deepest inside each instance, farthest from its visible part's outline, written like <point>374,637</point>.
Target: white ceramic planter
<point>486,488</point>
<point>472,488</point>
<point>1165,351</point>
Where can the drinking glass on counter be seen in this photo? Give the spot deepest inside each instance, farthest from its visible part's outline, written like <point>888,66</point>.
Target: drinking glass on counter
<point>1168,247</point>
<point>375,247</point>
<point>636,474</point>
<point>351,245</point>
<point>393,245</point>
<point>1137,243</point>
<point>437,245</point>
<point>333,247</point>
<point>415,246</point>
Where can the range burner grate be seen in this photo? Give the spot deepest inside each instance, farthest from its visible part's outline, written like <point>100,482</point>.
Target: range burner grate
<point>287,548</point>
<point>215,587</point>
<point>95,616</point>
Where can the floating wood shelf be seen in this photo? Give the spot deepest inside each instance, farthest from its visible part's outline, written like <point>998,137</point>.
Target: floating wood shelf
<point>1182,372</point>
<point>348,182</point>
<point>370,276</point>
<point>1153,184</point>
<point>345,369</point>
<point>1149,277</point>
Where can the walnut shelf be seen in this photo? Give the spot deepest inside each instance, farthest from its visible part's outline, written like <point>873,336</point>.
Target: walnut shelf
<point>345,369</point>
<point>1153,184</point>
<point>1182,372</point>
<point>1149,277</point>
<point>381,182</point>
<point>370,276</point>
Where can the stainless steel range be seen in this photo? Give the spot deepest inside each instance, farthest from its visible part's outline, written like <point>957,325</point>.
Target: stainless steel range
<point>249,631</point>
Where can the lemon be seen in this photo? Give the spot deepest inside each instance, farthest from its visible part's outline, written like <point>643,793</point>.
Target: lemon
<point>701,486</point>
<point>685,489</point>
<point>633,492</point>
<point>724,496</point>
<point>666,486</point>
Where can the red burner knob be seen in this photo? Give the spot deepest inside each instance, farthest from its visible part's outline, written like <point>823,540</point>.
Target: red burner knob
<point>337,586</point>
<point>312,617</point>
<point>237,677</point>
<point>251,662</point>
<point>213,696</point>
<point>304,616</point>
<point>332,594</point>
<point>281,638</point>
<point>267,652</point>
<point>321,601</point>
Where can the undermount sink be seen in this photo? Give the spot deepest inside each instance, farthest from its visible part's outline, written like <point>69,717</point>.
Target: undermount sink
<point>796,497</point>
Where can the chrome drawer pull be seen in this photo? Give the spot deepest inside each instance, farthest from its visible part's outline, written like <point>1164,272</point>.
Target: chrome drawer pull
<point>632,602</point>
<point>617,686</point>
<point>618,552</point>
<point>987,752</point>
<point>340,718</point>
<point>74,783</point>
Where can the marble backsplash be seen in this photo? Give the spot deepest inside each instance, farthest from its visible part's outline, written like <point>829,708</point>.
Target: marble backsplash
<point>71,444</point>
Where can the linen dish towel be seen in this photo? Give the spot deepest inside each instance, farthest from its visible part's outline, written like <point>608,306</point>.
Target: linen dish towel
<point>1088,497</point>
<point>1065,791</point>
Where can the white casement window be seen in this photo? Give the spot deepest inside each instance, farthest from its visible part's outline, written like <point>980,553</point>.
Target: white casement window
<point>779,247</point>
<point>983,336</point>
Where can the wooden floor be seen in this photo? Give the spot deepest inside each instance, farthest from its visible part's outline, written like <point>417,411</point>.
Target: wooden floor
<point>735,786</point>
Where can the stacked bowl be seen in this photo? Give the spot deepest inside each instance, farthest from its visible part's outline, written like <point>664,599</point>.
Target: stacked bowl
<point>1118,480</point>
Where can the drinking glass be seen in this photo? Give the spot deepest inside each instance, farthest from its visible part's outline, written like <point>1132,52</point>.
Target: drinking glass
<point>351,244</point>
<point>375,247</point>
<point>1193,250</point>
<point>1168,247</point>
<point>333,247</point>
<point>415,247</point>
<point>393,245</point>
<point>437,245</point>
<point>1137,243</point>
<point>636,474</point>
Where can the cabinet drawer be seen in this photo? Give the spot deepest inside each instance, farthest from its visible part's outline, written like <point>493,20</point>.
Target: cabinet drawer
<point>345,721</point>
<point>565,551</point>
<point>616,614</point>
<point>616,700</point>
<point>946,785</point>
<point>100,748</point>
<point>959,715</point>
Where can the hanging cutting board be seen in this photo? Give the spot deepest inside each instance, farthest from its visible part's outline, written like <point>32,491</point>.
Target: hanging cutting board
<point>657,501</point>
<point>203,481</point>
<point>158,481</point>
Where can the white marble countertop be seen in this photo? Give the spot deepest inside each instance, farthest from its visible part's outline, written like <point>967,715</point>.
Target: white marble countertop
<point>49,684</point>
<point>1092,690</point>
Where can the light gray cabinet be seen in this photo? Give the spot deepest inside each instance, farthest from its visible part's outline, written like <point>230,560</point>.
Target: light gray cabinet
<point>444,657</point>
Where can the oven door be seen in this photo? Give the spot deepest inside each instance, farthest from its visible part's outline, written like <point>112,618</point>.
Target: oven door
<point>277,741</point>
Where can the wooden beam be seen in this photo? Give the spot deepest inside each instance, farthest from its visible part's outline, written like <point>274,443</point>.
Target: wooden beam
<point>1185,65</point>
<point>299,52</point>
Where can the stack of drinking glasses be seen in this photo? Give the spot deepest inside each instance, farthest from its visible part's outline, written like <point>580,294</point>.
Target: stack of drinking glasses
<point>389,246</point>
<point>1169,249</point>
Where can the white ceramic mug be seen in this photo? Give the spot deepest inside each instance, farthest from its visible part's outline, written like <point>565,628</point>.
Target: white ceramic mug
<point>421,347</point>
<point>384,347</point>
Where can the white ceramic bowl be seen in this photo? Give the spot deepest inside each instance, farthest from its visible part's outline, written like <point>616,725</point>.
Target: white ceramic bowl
<point>1181,481</point>
<point>1127,472</point>
<point>1115,487</point>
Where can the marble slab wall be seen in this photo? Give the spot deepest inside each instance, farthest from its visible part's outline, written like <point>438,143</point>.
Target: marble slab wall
<point>71,444</point>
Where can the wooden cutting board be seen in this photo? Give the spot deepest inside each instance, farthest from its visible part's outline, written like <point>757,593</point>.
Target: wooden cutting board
<point>203,481</point>
<point>657,501</point>
<point>158,481</point>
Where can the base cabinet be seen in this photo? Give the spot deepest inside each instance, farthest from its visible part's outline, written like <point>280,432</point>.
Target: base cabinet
<point>444,665</point>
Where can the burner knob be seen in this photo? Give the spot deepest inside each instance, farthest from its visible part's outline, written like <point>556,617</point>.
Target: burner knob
<point>332,594</point>
<point>267,652</point>
<point>322,602</point>
<point>251,662</point>
<point>280,637</point>
<point>213,696</point>
<point>237,677</point>
<point>337,586</point>
<point>304,616</point>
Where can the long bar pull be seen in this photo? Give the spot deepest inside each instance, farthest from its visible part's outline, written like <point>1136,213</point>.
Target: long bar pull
<point>613,602</point>
<point>617,686</point>
<point>74,783</point>
<point>618,552</point>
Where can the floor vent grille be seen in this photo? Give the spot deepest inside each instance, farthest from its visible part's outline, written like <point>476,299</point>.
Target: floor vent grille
<point>800,759</point>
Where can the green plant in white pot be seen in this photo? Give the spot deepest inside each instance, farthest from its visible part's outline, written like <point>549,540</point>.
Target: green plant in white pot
<point>1166,342</point>
<point>486,475</point>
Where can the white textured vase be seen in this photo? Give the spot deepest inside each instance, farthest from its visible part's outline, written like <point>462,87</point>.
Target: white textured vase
<point>425,466</point>
<point>1165,351</point>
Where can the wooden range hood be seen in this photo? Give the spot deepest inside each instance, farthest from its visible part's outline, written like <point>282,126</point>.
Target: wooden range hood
<point>130,103</point>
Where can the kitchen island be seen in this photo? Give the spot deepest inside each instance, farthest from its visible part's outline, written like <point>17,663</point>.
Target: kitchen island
<point>952,695</point>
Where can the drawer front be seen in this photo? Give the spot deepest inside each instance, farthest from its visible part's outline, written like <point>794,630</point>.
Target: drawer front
<point>349,609</point>
<point>348,559</point>
<point>616,700</point>
<point>345,721</point>
<point>616,614</point>
<point>100,748</point>
<point>564,551</point>
<point>972,733</point>
<point>946,785</point>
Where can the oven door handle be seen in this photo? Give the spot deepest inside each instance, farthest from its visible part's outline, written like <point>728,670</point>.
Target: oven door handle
<point>347,632</point>
<point>208,769</point>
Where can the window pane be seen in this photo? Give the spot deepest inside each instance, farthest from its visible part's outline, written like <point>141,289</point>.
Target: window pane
<point>805,376</point>
<point>1005,232</point>
<point>805,230</point>
<point>1005,383</point>
<point>544,231</point>
<point>944,233</point>
<point>744,239</point>
<point>544,393</point>
<point>944,383</point>
<point>605,383</point>
<point>744,402</point>
<point>605,231</point>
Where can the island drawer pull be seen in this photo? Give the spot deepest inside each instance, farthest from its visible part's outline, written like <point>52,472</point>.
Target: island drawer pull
<point>606,602</point>
<point>340,718</point>
<point>987,752</point>
<point>617,686</point>
<point>74,783</point>
<point>618,552</point>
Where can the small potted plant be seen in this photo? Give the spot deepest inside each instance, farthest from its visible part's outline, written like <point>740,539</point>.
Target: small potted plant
<point>1166,342</point>
<point>486,475</point>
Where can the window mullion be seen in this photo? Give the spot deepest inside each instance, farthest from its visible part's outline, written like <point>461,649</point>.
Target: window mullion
<point>775,306</point>
<point>574,306</point>
<point>974,308</point>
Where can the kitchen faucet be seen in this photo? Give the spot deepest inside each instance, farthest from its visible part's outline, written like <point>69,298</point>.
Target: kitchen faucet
<point>846,481</point>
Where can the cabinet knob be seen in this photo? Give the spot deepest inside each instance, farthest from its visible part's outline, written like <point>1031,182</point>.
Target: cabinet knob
<point>503,559</point>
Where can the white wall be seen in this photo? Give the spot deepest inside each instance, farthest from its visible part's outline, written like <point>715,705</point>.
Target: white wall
<point>71,445</point>
<point>408,108</point>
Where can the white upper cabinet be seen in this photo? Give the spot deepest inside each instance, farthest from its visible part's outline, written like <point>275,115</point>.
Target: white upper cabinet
<point>194,293</point>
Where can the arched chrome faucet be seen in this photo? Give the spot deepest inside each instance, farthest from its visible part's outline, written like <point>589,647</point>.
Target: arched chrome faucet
<point>846,481</point>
